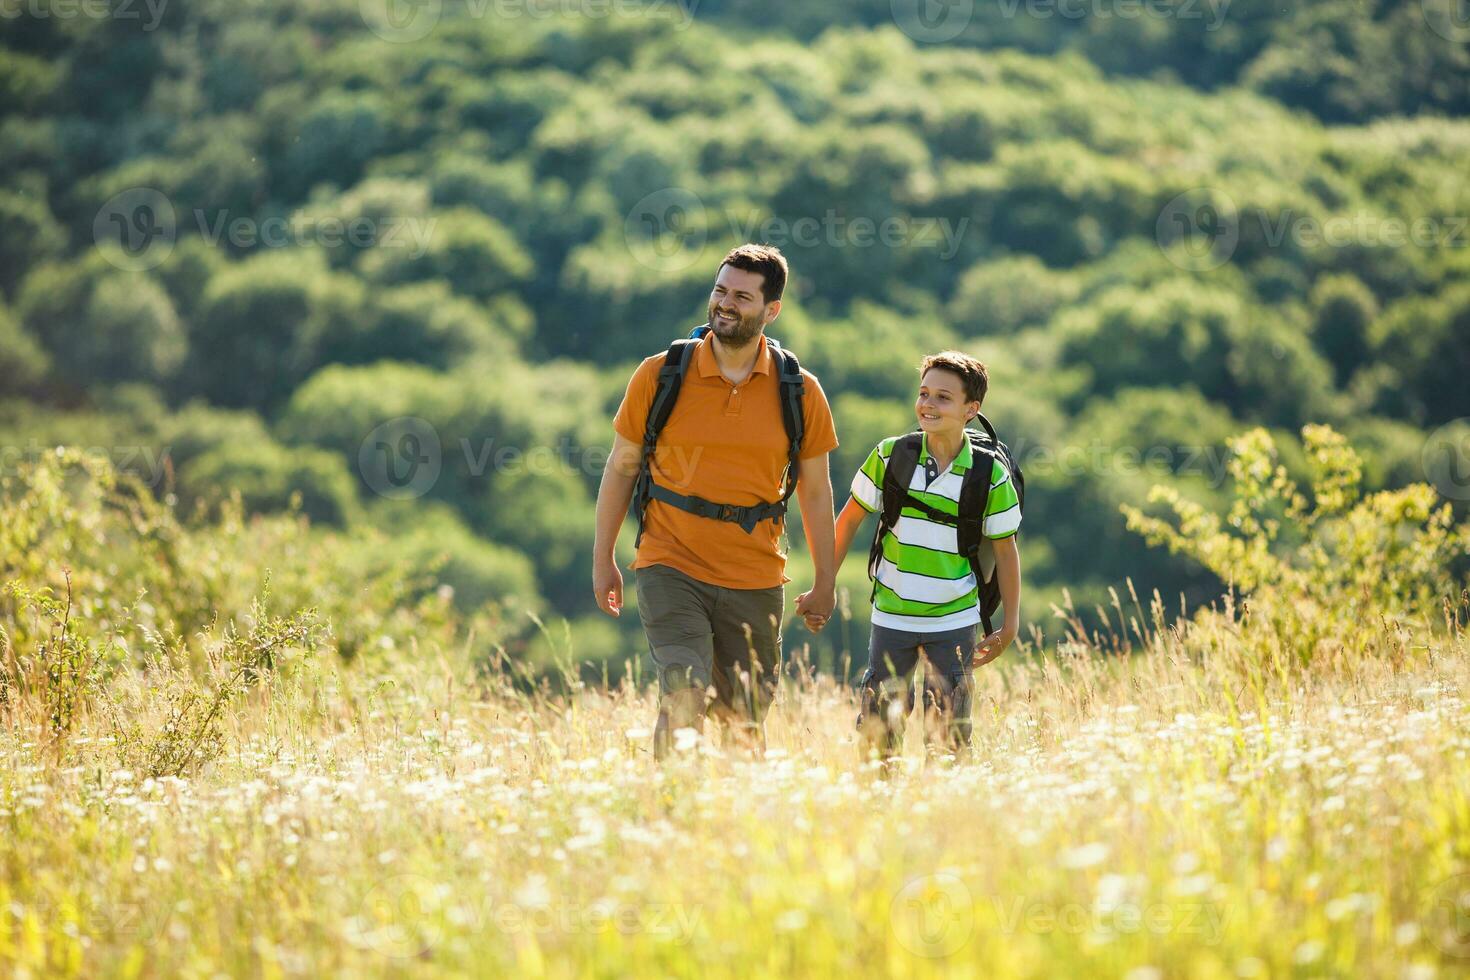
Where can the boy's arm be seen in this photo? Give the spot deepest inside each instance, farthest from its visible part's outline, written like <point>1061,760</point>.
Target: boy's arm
<point>848,523</point>
<point>1008,567</point>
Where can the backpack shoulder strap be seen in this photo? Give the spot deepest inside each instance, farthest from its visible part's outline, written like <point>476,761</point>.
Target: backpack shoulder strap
<point>974,501</point>
<point>670,380</point>
<point>898,473</point>
<point>793,392</point>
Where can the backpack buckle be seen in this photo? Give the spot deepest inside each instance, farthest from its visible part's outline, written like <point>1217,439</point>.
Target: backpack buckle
<point>729,512</point>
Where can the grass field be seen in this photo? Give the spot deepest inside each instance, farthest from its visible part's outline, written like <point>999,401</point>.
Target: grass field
<point>1120,818</point>
<point>1276,787</point>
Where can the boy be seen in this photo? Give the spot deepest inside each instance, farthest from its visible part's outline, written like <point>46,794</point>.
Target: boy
<point>925,593</point>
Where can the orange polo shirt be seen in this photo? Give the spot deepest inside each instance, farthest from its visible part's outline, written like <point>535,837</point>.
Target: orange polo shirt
<point>725,443</point>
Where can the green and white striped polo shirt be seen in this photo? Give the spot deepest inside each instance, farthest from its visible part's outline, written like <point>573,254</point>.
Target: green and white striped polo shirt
<point>924,585</point>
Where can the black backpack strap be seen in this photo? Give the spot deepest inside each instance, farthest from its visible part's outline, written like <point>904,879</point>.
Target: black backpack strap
<point>903,459</point>
<point>974,500</point>
<point>969,525</point>
<point>793,392</point>
<point>670,380</point>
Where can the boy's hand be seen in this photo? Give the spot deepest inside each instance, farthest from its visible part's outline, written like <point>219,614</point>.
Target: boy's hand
<point>993,646</point>
<point>815,607</point>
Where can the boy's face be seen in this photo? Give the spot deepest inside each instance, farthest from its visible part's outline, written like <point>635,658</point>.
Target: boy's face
<point>941,406</point>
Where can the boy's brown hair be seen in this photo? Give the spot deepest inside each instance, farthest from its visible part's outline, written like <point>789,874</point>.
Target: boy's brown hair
<point>766,260</point>
<point>974,374</point>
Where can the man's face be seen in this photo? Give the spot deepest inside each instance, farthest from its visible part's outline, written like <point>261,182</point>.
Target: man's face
<point>737,307</point>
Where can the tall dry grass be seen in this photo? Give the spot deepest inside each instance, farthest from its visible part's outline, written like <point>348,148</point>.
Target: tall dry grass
<point>1249,791</point>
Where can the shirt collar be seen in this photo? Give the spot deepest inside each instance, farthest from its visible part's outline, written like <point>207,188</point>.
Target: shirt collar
<point>962,462</point>
<point>704,358</point>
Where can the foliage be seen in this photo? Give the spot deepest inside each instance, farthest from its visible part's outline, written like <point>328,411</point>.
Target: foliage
<point>1319,566</point>
<point>487,226</point>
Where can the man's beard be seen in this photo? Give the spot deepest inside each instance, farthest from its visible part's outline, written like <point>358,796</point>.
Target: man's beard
<point>736,335</point>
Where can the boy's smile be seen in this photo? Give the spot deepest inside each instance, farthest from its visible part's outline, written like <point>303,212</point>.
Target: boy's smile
<point>941,407</point>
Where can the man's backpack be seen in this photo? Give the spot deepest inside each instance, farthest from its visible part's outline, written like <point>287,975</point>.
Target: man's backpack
<point>985,448</point>
<point>670,379</point>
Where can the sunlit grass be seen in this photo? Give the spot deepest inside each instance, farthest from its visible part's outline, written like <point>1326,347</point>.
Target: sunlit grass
<point>1278,786</point>
<point>1115,818</point>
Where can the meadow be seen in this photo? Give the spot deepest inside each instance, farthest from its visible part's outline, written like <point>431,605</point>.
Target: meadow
<point>1274,786</point>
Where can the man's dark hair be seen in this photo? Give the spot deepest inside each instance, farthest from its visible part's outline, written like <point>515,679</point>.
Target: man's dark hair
<point>975,376</point>
<point>766,260</point>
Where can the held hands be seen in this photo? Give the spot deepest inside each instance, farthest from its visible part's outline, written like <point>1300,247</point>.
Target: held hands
<point>815,607</point>
<point>993,646</point>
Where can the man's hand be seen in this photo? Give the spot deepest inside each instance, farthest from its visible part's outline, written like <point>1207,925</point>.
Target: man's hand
<point>815,607</point>
<point>607,586</point>
<point>993,645</point>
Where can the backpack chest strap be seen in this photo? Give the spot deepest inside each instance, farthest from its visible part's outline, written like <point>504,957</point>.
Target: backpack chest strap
<point>746,517</point>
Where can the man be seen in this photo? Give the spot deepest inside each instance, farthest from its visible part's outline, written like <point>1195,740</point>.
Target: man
<point>711,590</point>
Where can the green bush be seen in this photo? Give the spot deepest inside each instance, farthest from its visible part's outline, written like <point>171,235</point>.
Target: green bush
<point>269,478</point>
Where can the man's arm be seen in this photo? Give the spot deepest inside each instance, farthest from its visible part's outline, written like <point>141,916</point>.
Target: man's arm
<point>814,490</point>
<point>613,497</point>
<point>1008,567</point>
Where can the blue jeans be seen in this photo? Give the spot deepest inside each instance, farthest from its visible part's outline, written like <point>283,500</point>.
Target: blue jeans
<point>888,690</point>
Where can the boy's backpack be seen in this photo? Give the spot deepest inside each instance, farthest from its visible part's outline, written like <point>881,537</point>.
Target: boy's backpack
<point>670,379</point>
<point>985,447</point>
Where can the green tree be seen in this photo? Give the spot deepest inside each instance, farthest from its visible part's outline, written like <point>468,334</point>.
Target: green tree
<point>260,326</point>
<point>22,361</point>
<point>476,255</point>
<point>270,478</point>
<point>29,235</point>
